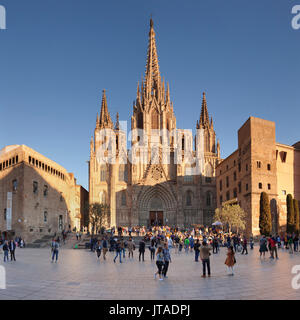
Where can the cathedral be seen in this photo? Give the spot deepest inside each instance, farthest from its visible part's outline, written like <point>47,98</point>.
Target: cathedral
<point>155,191</point>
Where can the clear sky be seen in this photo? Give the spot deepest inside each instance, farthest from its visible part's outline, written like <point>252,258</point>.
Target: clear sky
<point>56,57</point>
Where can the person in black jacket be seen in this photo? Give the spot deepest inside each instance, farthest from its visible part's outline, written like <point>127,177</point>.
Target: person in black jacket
<point>5,250</point>
<point>142,246</point>
<point>197,250</point>
<point>12,248</point>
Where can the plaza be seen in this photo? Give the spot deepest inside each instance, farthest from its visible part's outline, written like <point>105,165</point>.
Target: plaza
<point>79,276</point>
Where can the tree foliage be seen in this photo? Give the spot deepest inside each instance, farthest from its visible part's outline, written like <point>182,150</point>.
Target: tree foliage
<point>296,218</point>
<point>232,215</point>
<point>99,215</point>
<point>265,219</point>
<point>290,223</point>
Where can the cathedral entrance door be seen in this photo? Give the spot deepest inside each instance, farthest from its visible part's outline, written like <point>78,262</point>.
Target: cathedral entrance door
<point>156,218</point>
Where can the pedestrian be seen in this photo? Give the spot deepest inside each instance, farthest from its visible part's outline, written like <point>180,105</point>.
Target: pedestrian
<point>290,244</point>
<point>130,247</point>
<point>197,250</point>
<point>152,249</point>
<point>245,246</point>
<point>167,260</point>
<point>122,243</point>
<point>295,241</point>
<point>251,242</point>
<point>12,248</point>
<point>204,255</point>
<point>159,263</point>
<point>104,247</point>
<point>118,251</point>
<point>54,249</point>
<point>5,250</point>
<point>230,260</point>
<point>142,246</point>
<point>186,244</point>
<point>273,246</point>
<point>98,249</point>
<point>263,246</point>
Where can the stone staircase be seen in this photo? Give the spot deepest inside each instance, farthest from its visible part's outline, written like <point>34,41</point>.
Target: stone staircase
<point>40,243</point>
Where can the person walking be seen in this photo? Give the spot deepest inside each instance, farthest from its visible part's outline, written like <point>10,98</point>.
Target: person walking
<point>251,243</point>
<point>122,243</point>
<point>167,260</point>
<point>142,246</point>
<point>98,249</point>
<point>230,260</point>
<point>152,249</point>
<point>186,244</point>
<point>204,255</point>
<point>159,263</point>
<point>197,250</point>
<point>104,247</point>
<point>12,248</point>
<point>118,251</point>
<point>263,246</point>
<point>295,241</point>
<point>245,246</point>
<point>5,250</point>
<point>130,247</point>
<point>290,244</point>
<point>273,246</point>
<point>55,249</point>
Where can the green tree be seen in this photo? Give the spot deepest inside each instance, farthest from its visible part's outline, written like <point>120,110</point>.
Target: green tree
<point>265,220</point>
<point>297,218</point>
<point>290,223</point>
<point>98,216</point>
<point>232,215</point>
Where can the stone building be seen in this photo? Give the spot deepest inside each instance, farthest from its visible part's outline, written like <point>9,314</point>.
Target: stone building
<point>154,191</point>
<point>260,164</point>
<point>37,196</point>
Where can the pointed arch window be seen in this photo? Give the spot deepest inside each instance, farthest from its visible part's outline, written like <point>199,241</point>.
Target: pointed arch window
<point>140,121</point>
<point>123,173</point>
<point>103,173</point>
<point>102,197</point>
<point>123,198</point>
<point>208,199</point>
<point>154,119</point>
<point>188,198</point>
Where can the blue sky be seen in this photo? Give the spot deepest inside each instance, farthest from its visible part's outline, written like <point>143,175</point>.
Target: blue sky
<point>56,57</point>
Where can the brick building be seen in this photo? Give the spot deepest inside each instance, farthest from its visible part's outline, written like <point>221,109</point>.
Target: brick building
<point>37,196</point>
<point>259,164</point>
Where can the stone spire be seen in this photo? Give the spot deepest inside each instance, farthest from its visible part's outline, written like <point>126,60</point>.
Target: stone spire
<point>105,120</point>
<point>117,126</point>
<point>204,118</point>
<point>152,75</point>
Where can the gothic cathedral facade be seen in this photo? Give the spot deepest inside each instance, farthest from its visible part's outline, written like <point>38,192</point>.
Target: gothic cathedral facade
<point>154,191</point>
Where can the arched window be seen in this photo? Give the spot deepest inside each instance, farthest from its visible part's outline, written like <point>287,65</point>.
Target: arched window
<point>155,119</point>
<point>102,197</point>
<point>189,196</point>
<point>103,173</point>
<point>208,199</point>
<point>123,198</point>
<point>140,121</point>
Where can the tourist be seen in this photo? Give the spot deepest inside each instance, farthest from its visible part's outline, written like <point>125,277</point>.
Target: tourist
<point>290,244</point>
<point>186,244</point>
<point>130,247</point>
<point>245,246</point>
<point>204,255</point>
<point>263,246</point>
<point>142,247</point>
<point>167,260</point>
<point>273,247</point>
<point>12,248</point>
<point>251,243</point>
<point>152,248</point>
<point>230,260</point>
<point>159,263</point>
<point>197,250</point>
<point>118,251</point>
<point>104,247</point>
<point>122,243</point>
<point>295,241</point>
<point>98,249</point>
<point>54,249</point>
<point>215,245</point>
<point>5,250</point>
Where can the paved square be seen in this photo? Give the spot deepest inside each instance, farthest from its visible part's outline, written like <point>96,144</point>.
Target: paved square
<point>78,275</point>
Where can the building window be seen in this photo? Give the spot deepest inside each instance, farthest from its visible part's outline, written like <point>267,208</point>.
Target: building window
<point>269,186</point>
<point>45,190</point>
<point>123,198</point>
<point>227,167</point>
<point>155,119</point>
<point>234,163</point>
<point>4,214</point>
<point>227,182</point>
<point>284,192</point>
<point>221,185</point>
<point>260,185</point>
<point>102,197</point>
<point>221,199</point>
<point>187,175</point>
<point>208,199</point>
<point>189,198</point>
<point>239,167</point>
<point>17,159</point>
<point>269,167</point>
<point>240,187</point>
<point>15,185</point>
<point>247,186</point>
<point>35,186</point>
<point>123,173</point>
<point>103,173</point>
<point>283,156</point>
<point>45,216</point>
<point>258,164</point>
<point>234,176</point>
<point>246,167</point>
<point>207,179</point>
<point>235,193</point>
<point>227,195</point>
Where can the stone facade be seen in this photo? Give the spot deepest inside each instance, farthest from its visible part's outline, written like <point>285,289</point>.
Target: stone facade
<point>260,164</point>
<point>45,197</point>
<point>154,192</point>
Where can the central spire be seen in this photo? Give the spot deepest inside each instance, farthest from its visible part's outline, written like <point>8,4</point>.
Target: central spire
<point>152,76</point>
<point>105,120</point>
